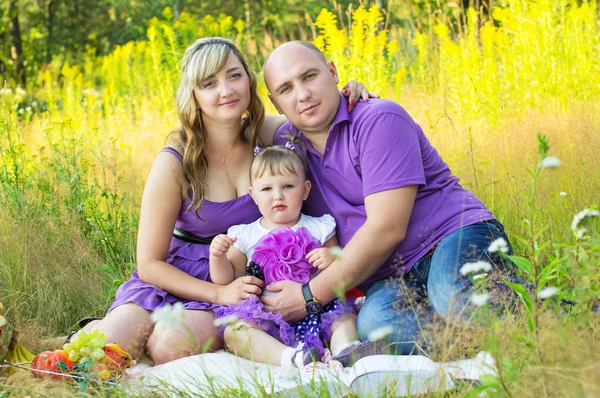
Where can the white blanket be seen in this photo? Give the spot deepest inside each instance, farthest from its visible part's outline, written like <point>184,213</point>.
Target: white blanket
<point>222,373</point>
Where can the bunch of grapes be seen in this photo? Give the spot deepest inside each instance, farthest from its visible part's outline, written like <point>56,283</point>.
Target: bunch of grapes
<point>86,347</point>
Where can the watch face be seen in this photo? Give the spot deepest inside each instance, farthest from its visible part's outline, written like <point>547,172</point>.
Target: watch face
<point>313,308</point>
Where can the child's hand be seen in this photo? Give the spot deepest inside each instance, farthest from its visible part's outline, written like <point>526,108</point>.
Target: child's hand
<point>320,258</point>
<point>220,245</point>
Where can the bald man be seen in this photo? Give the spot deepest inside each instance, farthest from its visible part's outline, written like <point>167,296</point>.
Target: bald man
<point>405,223</point>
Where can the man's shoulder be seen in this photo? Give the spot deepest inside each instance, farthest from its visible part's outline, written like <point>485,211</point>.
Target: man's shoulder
<point>378,106</point>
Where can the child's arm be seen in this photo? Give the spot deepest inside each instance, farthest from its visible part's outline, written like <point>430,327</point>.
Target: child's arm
<point>221,269</point>
<point>323,257</point>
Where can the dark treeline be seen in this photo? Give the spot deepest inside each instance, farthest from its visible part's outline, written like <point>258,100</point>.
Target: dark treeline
<point>34,33</point>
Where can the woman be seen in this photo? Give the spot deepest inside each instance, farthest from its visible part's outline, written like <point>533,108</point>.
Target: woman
<point>197,185</point>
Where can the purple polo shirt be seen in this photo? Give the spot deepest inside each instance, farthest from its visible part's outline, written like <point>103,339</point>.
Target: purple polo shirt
<point>375,148</point>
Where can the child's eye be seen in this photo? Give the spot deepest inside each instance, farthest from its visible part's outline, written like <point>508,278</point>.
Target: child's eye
<point>266,189</point>
<point>288,186</point>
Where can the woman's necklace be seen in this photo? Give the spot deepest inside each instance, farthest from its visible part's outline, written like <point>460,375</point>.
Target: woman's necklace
<point>225,168</point>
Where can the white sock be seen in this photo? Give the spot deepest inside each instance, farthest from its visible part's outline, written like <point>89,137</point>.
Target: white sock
<point>286,357</point>
<point>343,347</point>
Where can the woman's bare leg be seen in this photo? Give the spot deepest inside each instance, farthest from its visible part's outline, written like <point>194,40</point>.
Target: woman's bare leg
<point>128,325</point>
<point>195,335</point>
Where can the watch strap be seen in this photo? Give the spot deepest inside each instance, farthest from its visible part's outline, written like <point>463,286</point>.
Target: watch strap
<point>308,297</point>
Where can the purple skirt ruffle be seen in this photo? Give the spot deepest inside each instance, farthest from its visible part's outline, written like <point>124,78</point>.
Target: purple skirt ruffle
<point>313,330</point>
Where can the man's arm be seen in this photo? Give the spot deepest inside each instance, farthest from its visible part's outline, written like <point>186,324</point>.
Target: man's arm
<point>388,213</point>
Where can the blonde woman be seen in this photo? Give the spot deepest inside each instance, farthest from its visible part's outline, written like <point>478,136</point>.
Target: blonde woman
<point>197,188</point>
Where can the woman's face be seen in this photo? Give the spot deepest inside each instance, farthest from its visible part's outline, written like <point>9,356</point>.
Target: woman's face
<point>225,96</point>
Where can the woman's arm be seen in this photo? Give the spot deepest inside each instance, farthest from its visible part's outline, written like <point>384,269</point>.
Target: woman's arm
<point>161,203</point>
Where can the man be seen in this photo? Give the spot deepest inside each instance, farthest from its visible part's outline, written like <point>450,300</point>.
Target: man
<point>405,224</point>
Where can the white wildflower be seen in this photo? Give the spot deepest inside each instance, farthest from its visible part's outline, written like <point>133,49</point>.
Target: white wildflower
<point>582,215</point>
<point>480,276</point>
<point>547,292</point>
<point>5,92</point>
<point>563,194</point>
<point>336,251</point>
<point>500,245</point>
<point>92,92</point>
<point>171,315</point>
<point>19,92</point>
<point>380,334</point>
<point>226,320</point>
<point>28,109</point>
<point>480,299</point>
<point>469,268</point>
<point>550,162</point>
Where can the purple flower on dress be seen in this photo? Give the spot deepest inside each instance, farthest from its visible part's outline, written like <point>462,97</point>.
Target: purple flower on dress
<point>282,255</point>
<point>257,150</point>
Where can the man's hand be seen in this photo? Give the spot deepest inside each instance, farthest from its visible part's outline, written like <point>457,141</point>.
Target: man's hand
<point>288,301</point>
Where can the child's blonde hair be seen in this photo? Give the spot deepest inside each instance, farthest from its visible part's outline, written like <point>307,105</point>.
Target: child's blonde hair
<point>277,160</point>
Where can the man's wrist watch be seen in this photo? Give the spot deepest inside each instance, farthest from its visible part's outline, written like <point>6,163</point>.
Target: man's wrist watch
<point>312,304</point>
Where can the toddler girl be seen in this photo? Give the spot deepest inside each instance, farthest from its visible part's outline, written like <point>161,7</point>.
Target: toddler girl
<point>282,245</point>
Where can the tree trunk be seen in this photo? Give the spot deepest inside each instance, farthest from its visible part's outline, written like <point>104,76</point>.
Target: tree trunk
<point>17,46</point>
<point>51,9</point>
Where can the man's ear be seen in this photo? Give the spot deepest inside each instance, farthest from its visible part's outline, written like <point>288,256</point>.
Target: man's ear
<point>307,186</point>
<point>275,105</point>
<point>333,71</point>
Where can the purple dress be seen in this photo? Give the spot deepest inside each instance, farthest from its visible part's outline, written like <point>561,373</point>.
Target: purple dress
<point>281,255</point>
<point>191,258</point>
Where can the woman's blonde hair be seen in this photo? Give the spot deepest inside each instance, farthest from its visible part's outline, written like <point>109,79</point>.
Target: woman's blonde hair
<point>203,59</point>
<point>277,160</point>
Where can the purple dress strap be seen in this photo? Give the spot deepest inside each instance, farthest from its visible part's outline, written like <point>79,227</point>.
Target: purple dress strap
<point>172,151</point>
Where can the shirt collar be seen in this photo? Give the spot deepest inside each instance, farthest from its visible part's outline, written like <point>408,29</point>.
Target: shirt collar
<point>342,114</point>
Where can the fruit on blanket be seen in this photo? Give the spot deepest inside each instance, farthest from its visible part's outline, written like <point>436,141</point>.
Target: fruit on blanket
<point>115,358</point>
<point>53,361</point>
<point>85,346</point>
<point>40,359</point>
<point>17,354</point>
<point>101,372</point>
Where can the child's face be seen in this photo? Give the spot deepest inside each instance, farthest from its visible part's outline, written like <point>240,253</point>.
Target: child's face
<point>279,197</point>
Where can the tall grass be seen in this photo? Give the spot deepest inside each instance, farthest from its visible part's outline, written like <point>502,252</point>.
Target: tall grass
<point>75,150</point>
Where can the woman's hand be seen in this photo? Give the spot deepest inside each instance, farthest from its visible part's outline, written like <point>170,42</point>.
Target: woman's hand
<point>238,290</point>
<point>354,91</point>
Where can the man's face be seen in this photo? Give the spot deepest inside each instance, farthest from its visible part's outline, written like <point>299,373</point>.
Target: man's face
<point>303,87</point>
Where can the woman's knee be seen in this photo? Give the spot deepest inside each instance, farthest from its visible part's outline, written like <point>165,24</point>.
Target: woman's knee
<point>128,325</point>
<point>195,336</point>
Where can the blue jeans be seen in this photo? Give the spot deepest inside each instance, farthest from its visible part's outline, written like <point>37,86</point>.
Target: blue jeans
<point>433,288</point>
